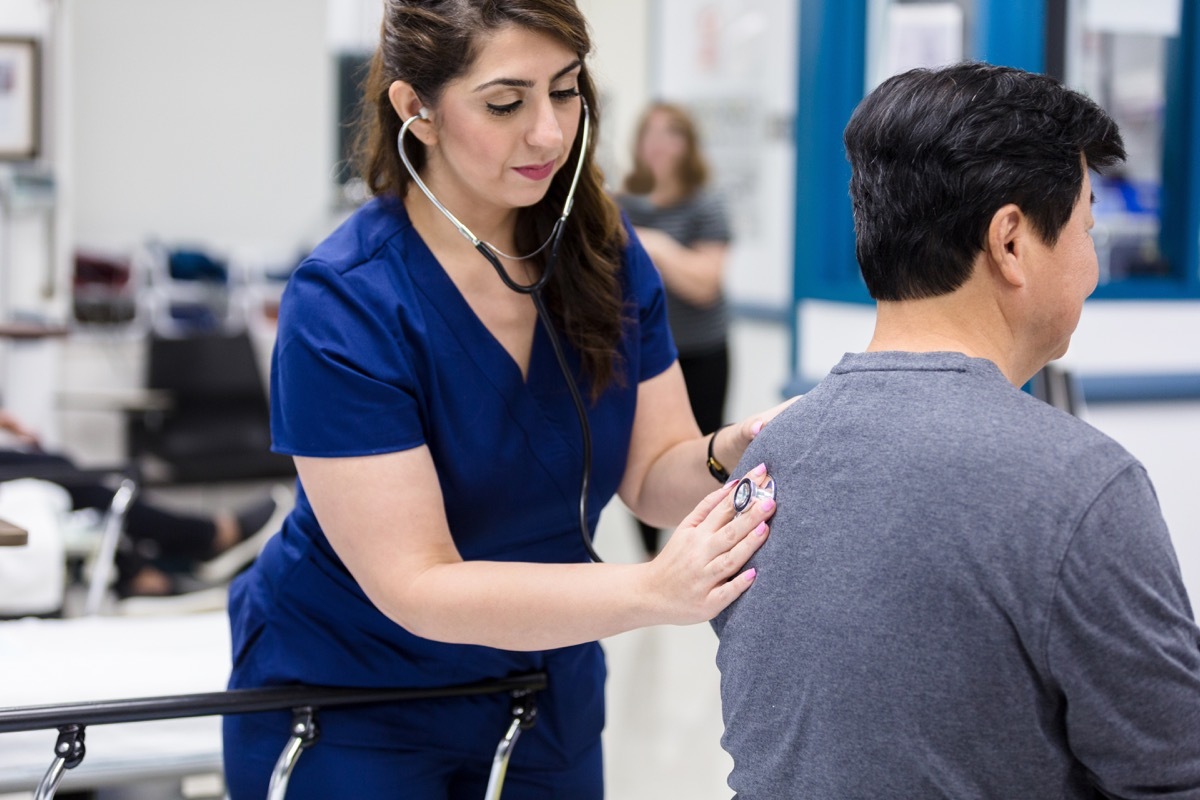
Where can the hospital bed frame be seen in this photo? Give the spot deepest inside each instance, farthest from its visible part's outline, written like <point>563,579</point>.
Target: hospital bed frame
<point>304,702</point>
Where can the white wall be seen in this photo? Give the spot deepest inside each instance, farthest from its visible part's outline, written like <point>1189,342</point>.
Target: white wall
<point>733,64</point>
<point>206,123</point>
<point>225,135</point>
<point>620,65</point>
<point>32,238</point>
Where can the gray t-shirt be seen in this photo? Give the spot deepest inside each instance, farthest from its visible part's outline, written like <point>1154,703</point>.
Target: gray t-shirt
<point>697,330</point>
<point>966,594</point>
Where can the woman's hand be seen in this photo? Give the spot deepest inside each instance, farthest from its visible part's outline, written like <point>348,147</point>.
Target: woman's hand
<point>384,516</point>
<point>700,570</point>
<point>732,440</point>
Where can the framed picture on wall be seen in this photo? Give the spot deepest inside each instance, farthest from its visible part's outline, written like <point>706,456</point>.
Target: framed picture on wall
<point>20,92</point>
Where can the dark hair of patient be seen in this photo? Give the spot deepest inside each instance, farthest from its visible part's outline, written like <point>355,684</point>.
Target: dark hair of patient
<point>935,153</point>
<point>428,44</point>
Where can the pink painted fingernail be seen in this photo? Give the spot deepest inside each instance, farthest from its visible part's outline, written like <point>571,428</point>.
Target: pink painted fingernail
<point>768,505</point>
<point>761,469</point>
<point>756,427</point>
<point>761,530</point>
<point>751,574</point>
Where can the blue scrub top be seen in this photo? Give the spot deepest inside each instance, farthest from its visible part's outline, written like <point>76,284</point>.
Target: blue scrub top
<point>377,352</point>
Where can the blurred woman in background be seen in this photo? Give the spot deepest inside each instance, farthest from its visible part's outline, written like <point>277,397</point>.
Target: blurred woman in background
<point>685,229</point>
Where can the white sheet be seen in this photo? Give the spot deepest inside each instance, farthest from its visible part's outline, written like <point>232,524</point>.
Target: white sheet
<point>32,576</point>
<point>106,658</point>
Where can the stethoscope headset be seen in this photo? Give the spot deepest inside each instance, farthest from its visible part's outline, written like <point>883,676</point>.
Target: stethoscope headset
<point>534,290</point>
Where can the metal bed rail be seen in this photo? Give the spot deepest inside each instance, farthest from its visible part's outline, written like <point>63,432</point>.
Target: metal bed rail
<point>72,719</point>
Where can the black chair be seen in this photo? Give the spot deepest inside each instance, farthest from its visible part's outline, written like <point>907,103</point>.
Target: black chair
<point>214,427</point>
<point>1058,387</point>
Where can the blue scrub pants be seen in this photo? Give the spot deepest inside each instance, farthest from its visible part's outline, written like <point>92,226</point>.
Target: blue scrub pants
<point>405,770</point>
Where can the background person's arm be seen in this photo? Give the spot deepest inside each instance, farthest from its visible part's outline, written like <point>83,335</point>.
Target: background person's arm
<point>9,423</point>
<point>693,273</point>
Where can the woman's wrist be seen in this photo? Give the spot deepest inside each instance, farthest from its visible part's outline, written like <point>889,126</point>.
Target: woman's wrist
<point>727,448</point>
<point>716,466</point>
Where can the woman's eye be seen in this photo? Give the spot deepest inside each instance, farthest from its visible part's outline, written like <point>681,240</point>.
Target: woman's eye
<point>503,110</point>
<point>560,96</point>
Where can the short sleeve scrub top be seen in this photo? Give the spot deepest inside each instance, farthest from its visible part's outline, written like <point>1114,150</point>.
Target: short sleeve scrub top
<point>377,352</point>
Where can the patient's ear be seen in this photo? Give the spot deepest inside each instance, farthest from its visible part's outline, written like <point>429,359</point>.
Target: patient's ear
<point>1007,242</point>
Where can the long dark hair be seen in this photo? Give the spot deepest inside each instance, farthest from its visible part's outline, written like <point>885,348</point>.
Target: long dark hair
<point>428,44</point>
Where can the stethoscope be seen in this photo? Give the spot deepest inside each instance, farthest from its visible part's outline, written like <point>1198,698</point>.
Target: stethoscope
<point>747,492</point>
<point>534,290</point>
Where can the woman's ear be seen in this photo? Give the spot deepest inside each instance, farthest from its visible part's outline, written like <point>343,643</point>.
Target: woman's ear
<point>1007,236</point>
<point>407,104</point>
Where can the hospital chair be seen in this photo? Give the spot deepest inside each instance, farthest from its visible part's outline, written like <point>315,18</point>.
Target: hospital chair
<point>215,426</point>
<point>1058,387</point>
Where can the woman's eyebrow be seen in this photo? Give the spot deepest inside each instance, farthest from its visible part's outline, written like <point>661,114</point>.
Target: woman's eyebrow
<point>527,84</point>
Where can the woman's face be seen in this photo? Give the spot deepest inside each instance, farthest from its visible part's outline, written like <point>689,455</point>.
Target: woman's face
<point>506,126</point>
<point>663,144</point>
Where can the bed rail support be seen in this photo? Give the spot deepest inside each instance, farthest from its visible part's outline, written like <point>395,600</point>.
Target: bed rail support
<point>69,751</point>
<point>303,701</point>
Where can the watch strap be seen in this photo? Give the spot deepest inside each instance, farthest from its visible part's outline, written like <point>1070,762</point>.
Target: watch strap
<point>715,467</point>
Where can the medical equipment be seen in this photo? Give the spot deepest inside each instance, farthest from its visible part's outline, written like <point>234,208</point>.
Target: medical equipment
<point>748,491</point>
<point>534,290</point>
<point>175,732</point>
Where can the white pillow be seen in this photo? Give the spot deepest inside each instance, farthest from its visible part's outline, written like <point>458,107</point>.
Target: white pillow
<point>32,576</point>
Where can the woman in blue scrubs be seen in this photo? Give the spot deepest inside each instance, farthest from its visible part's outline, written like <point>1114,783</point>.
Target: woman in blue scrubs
<point>435,538</point>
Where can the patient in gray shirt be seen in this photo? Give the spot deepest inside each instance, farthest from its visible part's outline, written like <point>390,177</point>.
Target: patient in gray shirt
<point>966,593</point>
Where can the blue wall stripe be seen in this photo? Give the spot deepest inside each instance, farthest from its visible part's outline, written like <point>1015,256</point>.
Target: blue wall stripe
<point>1011,33</point>
<point>1180,233</point>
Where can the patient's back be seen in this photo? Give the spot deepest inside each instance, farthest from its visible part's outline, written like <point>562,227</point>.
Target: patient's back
<point>966,593</point>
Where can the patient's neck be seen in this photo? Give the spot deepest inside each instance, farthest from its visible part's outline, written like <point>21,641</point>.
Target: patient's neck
<point>954,323</point>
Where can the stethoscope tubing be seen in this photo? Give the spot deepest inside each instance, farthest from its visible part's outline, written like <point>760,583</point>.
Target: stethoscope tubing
<point>534,290</point>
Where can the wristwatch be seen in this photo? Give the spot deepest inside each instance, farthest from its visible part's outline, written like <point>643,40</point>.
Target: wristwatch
<point>716,468</point>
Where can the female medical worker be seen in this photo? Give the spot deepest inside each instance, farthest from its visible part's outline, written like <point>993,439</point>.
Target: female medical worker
<point>435,538</point>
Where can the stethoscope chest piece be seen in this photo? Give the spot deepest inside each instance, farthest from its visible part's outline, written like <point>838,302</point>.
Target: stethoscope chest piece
<point>748,491</point>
